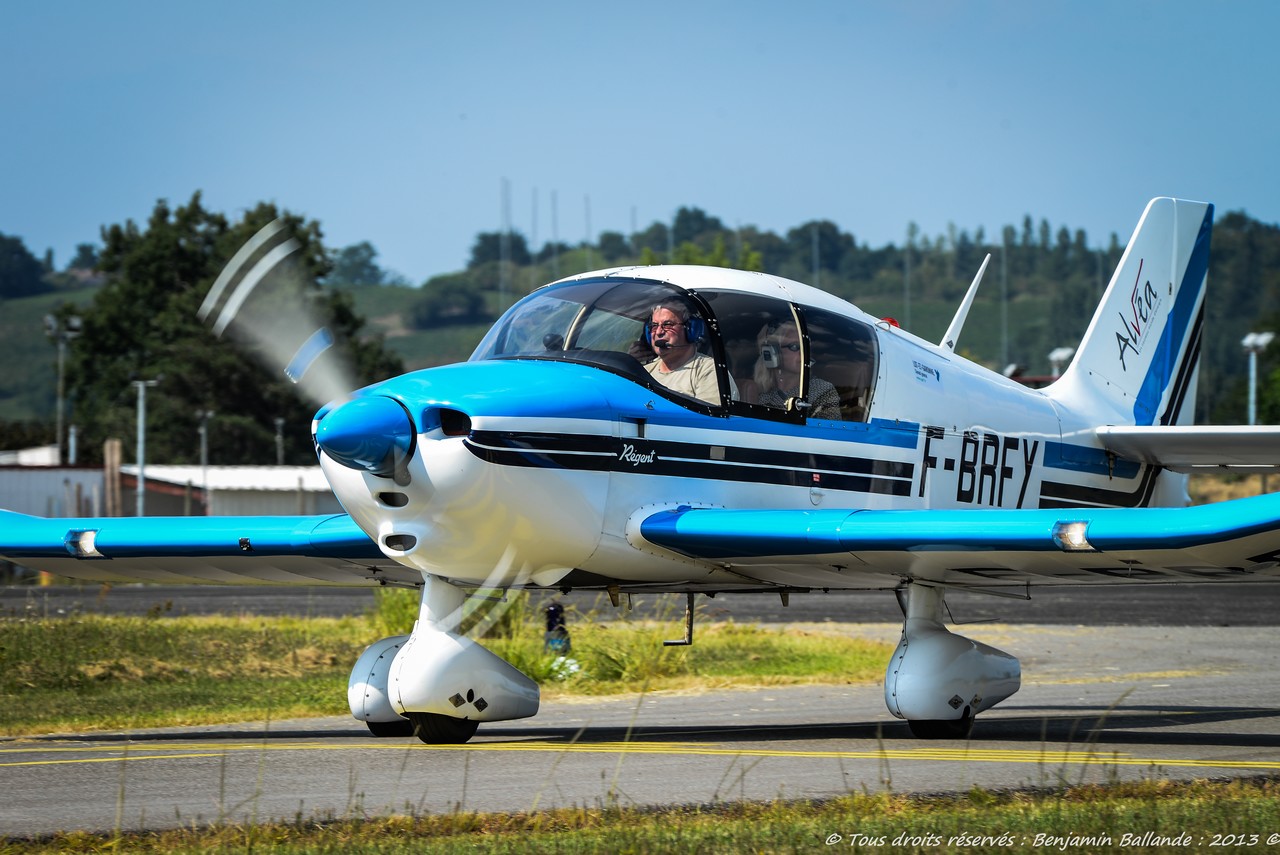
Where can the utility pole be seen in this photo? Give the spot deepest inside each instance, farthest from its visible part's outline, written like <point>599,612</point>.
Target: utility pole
<point>204,416</point>
<point>141,386</point>
<point>61,331</point>
<point>1253,344</point>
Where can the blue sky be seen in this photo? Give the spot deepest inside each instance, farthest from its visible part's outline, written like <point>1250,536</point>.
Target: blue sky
<point>397,123</point>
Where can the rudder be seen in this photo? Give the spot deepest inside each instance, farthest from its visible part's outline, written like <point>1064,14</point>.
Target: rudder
<point>1137,361</point>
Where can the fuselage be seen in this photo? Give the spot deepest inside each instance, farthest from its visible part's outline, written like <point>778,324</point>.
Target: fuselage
<point>533,462</point>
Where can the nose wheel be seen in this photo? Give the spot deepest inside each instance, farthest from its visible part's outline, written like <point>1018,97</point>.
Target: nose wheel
<point>387,729</point>
<point>959,728</point>
<point>436,729</point>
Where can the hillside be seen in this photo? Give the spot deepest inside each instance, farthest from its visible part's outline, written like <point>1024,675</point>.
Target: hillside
<point>1052,282</point>
<point>28,358</point>
<point>28,376</point>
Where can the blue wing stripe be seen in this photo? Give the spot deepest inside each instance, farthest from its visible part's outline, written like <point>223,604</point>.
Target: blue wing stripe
<point>325,536</point>
<point>718,534</point>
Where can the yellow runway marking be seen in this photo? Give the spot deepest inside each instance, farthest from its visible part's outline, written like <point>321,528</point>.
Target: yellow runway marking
<point>9,757</point>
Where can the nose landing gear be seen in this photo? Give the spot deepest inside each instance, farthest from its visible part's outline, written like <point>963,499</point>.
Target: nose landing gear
<point>434,683</point>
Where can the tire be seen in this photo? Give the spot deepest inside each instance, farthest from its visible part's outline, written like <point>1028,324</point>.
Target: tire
<point>401,727</point>
<point>435,729</point>
<point>956,728</point>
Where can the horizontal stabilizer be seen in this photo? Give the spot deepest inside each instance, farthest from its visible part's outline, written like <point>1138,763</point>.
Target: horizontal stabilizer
<point>1189,448</point>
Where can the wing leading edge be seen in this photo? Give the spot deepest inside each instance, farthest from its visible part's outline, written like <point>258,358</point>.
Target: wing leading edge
<point>1237,541</point>
<point>309,550</point>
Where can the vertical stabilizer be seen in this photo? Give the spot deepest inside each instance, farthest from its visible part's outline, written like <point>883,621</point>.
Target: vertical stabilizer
<point>1137,362</point>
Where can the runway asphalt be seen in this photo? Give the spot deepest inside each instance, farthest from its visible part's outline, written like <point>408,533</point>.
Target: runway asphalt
<point>1251,604</point>
<point>1097,704</point>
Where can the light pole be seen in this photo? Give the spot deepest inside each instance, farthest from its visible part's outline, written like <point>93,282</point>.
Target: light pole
<point>204,416</point>
<point>1059,356</point>
<point>61,331</point>
<point>1253,344</point>
<point>279,441</point>
<point>141,386</point>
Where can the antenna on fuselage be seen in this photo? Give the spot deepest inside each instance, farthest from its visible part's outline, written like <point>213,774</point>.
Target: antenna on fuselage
<point>957,323</point>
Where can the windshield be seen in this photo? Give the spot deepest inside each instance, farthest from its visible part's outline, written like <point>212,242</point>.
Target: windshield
<point>596,315</point>
<point>602,322</point>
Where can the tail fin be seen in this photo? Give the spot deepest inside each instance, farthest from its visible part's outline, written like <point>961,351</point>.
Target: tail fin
<point>1138,361</point>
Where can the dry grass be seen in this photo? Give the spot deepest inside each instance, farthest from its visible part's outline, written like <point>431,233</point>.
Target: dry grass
<point>93,672</point>
<point>1146,817</point>
<point>1207,489</point>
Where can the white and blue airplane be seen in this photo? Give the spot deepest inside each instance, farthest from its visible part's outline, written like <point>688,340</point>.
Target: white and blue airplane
<point>781,441</point>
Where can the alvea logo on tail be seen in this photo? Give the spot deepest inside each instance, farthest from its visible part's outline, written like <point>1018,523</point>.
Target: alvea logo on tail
<point>1144,307</point>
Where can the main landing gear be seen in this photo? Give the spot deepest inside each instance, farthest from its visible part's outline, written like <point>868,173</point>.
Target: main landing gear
<point>939,681</point>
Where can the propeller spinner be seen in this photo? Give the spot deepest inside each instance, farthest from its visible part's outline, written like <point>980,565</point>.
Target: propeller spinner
<point>374,434</point>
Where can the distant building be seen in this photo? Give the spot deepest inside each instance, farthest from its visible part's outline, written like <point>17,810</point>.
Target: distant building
<point>70,491</point>
<point>40,455</point>
<point>45,490</point>
<point>230,491</point>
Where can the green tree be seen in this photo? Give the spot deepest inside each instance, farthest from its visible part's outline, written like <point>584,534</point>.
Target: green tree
<point>749,258</point>
<point>448,300</point>
<point>654,240</point>
<point>552,249</point>
<point>355,265</point>
<point>86,257</point>
<point>771,249</point>
<point>832,244</point>
<point>143,325</point>
<point>1244,296</point>
<point>489,248</point>
<point>21,273</point>
<point>613,245</point>
<point>693,223</point>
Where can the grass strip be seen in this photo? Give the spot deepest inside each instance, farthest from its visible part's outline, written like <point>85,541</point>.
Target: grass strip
<point>95,672</point>
<point>1146,816</point>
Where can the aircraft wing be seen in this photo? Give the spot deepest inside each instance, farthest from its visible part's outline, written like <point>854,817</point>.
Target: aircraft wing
<point>1188,448</point>
<point>276,550</point>
<point>1228,541</point>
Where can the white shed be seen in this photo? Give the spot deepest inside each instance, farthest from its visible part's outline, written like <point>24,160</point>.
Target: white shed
<point>231,490</point>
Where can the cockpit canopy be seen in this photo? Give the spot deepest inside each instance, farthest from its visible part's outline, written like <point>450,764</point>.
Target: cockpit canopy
<point>772,358</point>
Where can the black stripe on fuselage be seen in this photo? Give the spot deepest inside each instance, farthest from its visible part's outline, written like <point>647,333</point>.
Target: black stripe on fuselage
<point>692,460</point>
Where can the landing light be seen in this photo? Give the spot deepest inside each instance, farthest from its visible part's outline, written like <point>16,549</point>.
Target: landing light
<point>1071,536</point>
<point>79,542</point>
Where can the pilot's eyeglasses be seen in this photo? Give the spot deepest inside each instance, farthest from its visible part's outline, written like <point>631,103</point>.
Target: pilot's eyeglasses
<point>668,326</point>
<point>793,347</point>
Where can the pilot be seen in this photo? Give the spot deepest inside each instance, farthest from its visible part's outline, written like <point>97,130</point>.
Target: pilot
<point>778,374</point>
<point>679,366</point>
